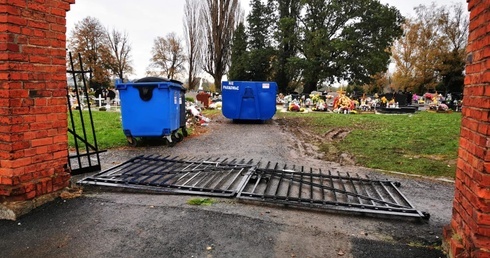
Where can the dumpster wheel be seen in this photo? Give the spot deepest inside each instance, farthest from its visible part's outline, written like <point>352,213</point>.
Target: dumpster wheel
<point>177,137</point>
<point>184,132</point>
<point>169,140</point>
<point>132,141</point>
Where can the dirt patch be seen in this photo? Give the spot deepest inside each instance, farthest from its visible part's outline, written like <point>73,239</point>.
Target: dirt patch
<point>336,134</point>
<point>308,143</point>
<point>431,157</point>
<point>449,162</point>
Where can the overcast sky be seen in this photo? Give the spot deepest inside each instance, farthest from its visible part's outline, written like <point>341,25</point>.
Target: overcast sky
<point>144,20</point>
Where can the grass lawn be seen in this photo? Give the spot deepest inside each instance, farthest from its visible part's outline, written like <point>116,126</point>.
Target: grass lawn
<point>108,129</point>
<point>423,143</point>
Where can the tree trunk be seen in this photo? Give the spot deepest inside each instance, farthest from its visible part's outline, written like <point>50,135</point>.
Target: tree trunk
<point>310,86</point>
<point>217,81</point>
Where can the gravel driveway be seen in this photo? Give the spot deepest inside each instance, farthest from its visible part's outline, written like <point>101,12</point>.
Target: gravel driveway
<point>121,224</point>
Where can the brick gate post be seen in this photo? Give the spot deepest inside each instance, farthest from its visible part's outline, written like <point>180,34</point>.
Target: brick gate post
<point>33,108</point>
<point>468,235</point>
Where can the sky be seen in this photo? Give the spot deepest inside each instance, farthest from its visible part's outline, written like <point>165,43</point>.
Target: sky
<point>145,20</point>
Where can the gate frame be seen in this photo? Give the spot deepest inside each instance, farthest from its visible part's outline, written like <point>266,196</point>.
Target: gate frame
<point>90,149</point>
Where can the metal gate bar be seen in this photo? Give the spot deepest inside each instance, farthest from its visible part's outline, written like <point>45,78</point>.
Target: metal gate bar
<point>212,177</point>
<point>268,182</point>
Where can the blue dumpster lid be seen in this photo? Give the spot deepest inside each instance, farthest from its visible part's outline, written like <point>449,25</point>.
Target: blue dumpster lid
<point>159,79</point>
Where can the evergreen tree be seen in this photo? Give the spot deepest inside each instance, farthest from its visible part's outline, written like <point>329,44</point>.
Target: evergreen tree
<point>286,35</point>
<point>452,72</point>
<point>309,42</point>
<point>260,27</point>
<point>239,56</point>
<point>346,39</point>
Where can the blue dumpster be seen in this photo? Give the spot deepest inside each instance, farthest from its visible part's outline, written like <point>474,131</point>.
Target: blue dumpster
<point>151,107</point>
<point>248,100</point>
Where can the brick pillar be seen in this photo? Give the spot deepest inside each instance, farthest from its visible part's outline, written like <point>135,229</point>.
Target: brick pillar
<point>33,112</point>
<point>468,235</point>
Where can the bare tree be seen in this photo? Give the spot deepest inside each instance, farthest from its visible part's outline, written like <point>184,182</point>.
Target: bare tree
<point>120,59</point>
<point>220,18</point>
<point>168,55</point>
<point>455,23</point>
<point>88,39</point>
<point>193,38</point>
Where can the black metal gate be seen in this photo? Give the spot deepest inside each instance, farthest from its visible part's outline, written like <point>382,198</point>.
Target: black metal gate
<point>269,183</point>
<point>84,157</point>
<point>211,177</point>
<point>334,191</point>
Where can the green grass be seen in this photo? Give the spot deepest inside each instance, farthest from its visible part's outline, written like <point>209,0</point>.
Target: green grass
<point>201,201</point>
<point>423,143</point>
<point>108,129</point>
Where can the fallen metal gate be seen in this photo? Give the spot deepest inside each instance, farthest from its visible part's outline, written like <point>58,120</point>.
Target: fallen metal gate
<point>259,182</point>
<point>320,190</point>
<point>165,174</point>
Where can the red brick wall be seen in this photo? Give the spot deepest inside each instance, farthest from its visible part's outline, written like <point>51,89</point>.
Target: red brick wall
<point>470,227</point>
<point>33,118</point>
